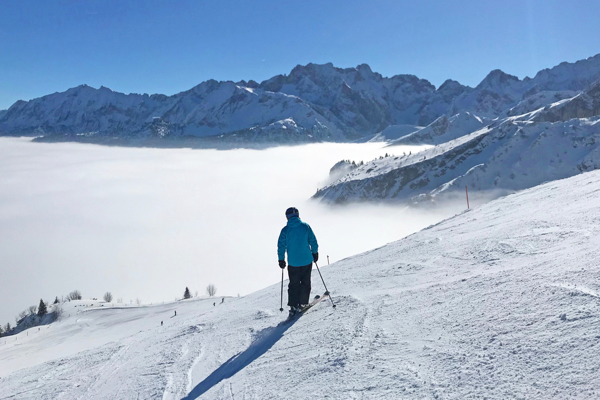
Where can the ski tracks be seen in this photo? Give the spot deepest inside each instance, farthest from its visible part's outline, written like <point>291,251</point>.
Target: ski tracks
<point>105,372</point>
<point>184,353</point>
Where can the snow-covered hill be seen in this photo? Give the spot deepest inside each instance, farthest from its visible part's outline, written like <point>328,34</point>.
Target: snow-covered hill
<point>501,301</point>
<point>312,103</point>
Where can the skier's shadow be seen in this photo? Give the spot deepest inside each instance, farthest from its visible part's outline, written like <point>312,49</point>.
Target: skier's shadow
<point>264,340</point>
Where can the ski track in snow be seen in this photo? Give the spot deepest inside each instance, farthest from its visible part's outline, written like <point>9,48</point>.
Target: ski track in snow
<point>501,301</point>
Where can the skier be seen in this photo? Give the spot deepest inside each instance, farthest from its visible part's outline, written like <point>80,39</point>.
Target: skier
<point>298,239</point>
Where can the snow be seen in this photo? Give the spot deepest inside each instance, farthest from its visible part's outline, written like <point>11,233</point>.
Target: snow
<point>500,301</point>
<point>539,100</point>
<point>443,129</point>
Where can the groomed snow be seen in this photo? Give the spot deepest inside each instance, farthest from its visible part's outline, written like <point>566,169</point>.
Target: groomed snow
<point>501,301</point>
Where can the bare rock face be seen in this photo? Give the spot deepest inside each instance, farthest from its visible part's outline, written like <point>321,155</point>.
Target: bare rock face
<point>583,105</point>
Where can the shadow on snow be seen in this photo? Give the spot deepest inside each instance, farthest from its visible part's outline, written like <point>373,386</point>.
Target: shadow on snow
<point>263,342</point>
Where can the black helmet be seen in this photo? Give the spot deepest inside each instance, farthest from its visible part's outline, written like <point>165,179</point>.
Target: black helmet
<point>292,212</point>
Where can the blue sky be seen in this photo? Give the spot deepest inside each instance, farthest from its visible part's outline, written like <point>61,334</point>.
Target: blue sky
<point>170,46</point>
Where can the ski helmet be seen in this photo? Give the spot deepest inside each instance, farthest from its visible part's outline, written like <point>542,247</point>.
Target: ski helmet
<point>292,212</point>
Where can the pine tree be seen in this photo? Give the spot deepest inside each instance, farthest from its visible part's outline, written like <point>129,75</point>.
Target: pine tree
<point>42,310</point>
<point>56,300</point>
<point>187,294</point>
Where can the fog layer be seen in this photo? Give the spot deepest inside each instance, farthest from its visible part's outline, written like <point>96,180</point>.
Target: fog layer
<point>146,223</point>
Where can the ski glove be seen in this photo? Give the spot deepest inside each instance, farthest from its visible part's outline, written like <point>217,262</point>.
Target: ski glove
<point>282,264</point>
<point>316,257</point>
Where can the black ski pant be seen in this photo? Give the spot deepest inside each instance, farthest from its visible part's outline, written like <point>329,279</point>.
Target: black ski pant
<point>299,287</point>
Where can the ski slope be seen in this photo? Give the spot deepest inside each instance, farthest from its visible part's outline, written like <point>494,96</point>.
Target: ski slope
<point>501,301</point>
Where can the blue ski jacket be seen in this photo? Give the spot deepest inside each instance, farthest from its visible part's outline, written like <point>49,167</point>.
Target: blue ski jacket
<point>298,239</point>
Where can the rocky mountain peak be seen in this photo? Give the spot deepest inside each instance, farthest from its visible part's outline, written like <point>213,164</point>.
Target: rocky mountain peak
<point>250,84</point>
<point>450,86</point>
<point>497,78</point>
<point>451,89</point>
<point>364,69</point>
<point>311,70</point>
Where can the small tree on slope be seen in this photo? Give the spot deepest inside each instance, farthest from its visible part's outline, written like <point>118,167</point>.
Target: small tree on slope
<point>42,310</point>
<point>211,290</point>
<point>186,294</point>
<point>75,295</point>
<point>108,297</point>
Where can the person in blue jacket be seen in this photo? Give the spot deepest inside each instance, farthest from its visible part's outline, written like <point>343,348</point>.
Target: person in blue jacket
<point>300,243</point>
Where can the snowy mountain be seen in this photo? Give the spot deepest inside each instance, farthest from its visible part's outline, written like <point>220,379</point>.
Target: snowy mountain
<point>499,302</point>
<point>209,109</point>
<point>363,99</point>
<point>312,103</point>
<point>569,76</point>
<point>557,139</point>
<point>503,157</point>
<point>499,91</point>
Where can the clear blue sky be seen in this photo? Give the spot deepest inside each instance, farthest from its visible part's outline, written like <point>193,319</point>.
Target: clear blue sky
<point>170,46</point>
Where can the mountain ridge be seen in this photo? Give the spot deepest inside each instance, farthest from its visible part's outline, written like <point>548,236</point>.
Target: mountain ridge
<point>325,102</point>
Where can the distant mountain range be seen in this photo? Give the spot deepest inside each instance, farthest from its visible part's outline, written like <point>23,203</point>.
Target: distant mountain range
<point>312,103</point>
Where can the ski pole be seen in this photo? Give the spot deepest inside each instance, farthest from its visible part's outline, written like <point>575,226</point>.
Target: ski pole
<point>326,291</point>
<point>281,308</point>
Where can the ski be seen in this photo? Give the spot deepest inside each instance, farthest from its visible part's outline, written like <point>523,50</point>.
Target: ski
<point>313,303</point>
<point>316,300</point>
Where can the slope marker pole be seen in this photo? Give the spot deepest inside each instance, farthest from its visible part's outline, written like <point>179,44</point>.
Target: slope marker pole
<point>467,192</point>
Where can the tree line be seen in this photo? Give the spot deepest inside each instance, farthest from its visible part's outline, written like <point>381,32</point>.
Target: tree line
<point>211,290</point>
<point>33,315</point>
